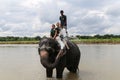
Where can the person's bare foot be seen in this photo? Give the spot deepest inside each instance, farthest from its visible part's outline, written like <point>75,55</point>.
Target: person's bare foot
<point>60,54</point>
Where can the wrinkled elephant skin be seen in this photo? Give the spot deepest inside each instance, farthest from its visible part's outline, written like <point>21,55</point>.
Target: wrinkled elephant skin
<point>48,50</point>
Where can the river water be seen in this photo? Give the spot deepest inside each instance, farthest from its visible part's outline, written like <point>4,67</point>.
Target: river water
<point>98,62</point>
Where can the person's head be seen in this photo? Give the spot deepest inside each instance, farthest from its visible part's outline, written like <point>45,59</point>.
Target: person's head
<point>57,24</point>
<point>61,12</point>
<point>53,26</point>
<point>60,25</point>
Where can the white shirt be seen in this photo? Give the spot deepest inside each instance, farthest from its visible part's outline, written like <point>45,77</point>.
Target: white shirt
<point>63,32</point>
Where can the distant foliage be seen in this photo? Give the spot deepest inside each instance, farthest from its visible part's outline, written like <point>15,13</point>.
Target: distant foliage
<point>37,38</point>
<point>106,36</point>
<point>11,38</point>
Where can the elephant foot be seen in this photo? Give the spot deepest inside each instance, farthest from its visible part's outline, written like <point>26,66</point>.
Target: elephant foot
<point>49,76</point>
<point>59,76</point>
<point>49,79</point>
<point>73,70</point>
<point>49,73</point>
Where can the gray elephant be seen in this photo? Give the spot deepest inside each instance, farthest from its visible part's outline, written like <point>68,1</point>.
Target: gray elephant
<point>49,49</point>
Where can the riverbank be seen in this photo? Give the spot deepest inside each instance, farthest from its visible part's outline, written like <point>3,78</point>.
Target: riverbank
<point>77,41</point>
<point>97,41</point>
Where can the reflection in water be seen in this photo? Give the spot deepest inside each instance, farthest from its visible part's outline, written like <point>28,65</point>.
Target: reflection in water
<point>67,76</point>
<point>22,62</point>
<point>72,76</point>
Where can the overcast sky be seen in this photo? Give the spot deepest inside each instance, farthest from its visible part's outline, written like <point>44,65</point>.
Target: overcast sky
<point>34,17</point>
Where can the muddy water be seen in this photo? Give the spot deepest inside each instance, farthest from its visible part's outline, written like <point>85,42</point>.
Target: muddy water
<point>98,62</point>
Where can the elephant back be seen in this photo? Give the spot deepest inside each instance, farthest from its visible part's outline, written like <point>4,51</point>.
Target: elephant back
<point>72,56</point>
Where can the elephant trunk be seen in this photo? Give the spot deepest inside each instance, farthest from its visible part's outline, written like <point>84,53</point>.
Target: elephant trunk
<point>45,60</point>
<point>49,65</point>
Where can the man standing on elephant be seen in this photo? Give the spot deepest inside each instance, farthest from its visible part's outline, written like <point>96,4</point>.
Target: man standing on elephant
<point>63,20</point>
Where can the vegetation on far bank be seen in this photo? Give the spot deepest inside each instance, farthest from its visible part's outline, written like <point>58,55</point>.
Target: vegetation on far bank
<point>108,38</point>
<point>97,41</point>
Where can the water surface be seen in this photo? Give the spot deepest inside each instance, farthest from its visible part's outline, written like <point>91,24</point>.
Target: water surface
<point>98,62</point>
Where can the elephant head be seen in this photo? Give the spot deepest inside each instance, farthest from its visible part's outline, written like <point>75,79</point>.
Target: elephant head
<point>48,50</point>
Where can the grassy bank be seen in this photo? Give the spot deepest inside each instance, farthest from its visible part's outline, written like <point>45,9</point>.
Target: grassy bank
<point>97,41</point>
<point>78,41</point>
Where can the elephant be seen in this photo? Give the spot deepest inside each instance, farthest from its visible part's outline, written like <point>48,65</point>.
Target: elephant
<point>49,49</point>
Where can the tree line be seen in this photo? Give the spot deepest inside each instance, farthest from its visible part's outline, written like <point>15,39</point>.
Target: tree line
<point>12,38</point>
<point>37,38</point>
<point>106,36</point>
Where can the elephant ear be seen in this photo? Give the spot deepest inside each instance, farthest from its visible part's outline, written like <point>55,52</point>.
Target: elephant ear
<point>57,46</point>
<point>54,44</point>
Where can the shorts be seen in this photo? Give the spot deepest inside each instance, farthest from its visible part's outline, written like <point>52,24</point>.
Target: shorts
<point>65,27</point>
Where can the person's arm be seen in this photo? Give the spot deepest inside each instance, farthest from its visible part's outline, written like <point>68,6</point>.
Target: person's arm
<point>65,20</point>
<point>50,34</point>
<point>64,33</point>
<point>60,18</point>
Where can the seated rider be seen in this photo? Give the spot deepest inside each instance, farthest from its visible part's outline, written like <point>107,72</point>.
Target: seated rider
<point>52,31</point>
<point>60,33</point>
<point>63,36</point>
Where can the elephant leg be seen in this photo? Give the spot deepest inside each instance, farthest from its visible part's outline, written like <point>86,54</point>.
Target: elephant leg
<point>59,72</point>
<point>49,72</point>
<point>60,67</point>
<point>72,69</point>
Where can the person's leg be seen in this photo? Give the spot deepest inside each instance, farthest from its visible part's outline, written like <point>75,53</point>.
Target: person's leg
<point>60,42</point>
<point>65,27</point>
<point>62,46</point>
<point>65,42</point>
